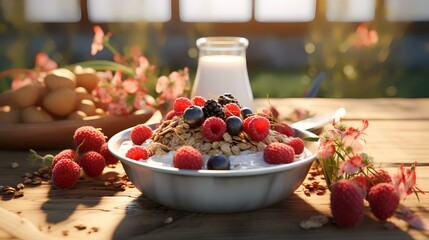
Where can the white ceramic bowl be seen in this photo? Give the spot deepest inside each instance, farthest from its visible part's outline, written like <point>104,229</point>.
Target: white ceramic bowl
<point>210,191</point>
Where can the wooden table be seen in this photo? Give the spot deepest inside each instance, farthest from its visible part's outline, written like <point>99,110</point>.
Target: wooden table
<point>398,133</point>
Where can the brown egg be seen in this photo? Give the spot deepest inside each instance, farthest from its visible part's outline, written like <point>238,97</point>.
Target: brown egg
<point>60,78</point>
<point>86,106</point>
<point>86,77</point>
<point>77,115</point>
<point>34,114</point>
<point>9,114</point>
<point>60,102</point>
<point>99,112</point>
<point>82,93</point>
<point>26,96</point>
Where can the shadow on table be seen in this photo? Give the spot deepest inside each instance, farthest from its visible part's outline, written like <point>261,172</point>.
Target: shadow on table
<point>61,204</point>
<point>147,219</point>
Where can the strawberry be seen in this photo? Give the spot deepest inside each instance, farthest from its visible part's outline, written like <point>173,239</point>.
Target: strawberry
<point>88,138</point>
<point>65,174</point>
<point>297,144</point>
<point>108,156</point>
<point>66,153</point>
<point>140,133</point>
<point>92,163</point>
<point>187,157</point>
<point>276,153</point>
<point>383,200</point>
<point>347,203</point>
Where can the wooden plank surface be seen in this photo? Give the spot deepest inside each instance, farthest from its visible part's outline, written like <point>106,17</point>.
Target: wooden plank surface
<point>397,134</point>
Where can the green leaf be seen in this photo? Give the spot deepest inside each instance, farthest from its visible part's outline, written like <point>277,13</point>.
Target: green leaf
<point>311,139</point>
<point>103,65</point>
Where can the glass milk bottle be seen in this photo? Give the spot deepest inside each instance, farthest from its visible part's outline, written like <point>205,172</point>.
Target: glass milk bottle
<point>222,69</point>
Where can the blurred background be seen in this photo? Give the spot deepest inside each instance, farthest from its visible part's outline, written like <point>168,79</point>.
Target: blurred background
<point>365,48</point>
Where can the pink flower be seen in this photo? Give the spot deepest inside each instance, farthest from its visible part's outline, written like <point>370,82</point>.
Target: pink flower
<point>97,42</point>
<point>351,166</point>
<point>117,78</point>
<point>326,150</point>
<point>143,65</point>
<point>404,180</point>
<point>365,36</point>
<point>172,86</point>
<point>45,63</point>
<point>119,108</point>
<point>354,138</point>
<point>136,54</point>
<point>130,85</point>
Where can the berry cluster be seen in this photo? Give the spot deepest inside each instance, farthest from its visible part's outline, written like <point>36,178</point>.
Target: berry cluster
<point>348,197</point>
<point>91,155</point>
<point>214,118</point>
<point>352,178</point>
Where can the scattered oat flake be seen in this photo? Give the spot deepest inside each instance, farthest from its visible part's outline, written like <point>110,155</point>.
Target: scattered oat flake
<point>80,227</point>
<point>168,220</point>
<point>14,165</point>
<point>315,221</point>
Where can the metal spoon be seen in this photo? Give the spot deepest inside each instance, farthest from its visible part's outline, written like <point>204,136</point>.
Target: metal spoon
<point>314,123</point>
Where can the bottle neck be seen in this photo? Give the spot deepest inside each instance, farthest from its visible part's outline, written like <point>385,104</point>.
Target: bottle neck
<point>234,46</point>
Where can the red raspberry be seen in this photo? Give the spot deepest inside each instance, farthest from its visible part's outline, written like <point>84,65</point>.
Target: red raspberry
<point>347,203</point>
<point>232,109</point>
<point>362,182</point>
<point>171,114</point>
<point>297,144</point>
<point>187,157</point>
<point>258,128</point>
<point>277,153</point>
<point>181,104</point>
<point>246,122</point>
<point>137,153</point>
<point>285,129</point>
<point>213,128</point>
<point>92,163</point>
<point>108,156</point>
<point>379,176</point>
<point>66,153</point>
<point>91,138</point>
<point>140,133</point>
<point>198,101</point>
<point>65,173</point>
<point>383,200</point>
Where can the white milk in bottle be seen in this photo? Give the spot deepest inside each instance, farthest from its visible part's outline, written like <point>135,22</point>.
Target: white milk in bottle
<point>222,69</point>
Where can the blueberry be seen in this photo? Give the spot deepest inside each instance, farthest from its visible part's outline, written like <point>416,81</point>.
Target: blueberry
<point>218,162</point>
<point>194,116</point>
<point>234,125</point>
<point>245,112</point>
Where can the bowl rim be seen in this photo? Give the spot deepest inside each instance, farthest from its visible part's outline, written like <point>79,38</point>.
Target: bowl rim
<point>124,135</point>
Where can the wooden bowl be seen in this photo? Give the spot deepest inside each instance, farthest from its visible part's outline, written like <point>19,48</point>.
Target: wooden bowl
<point>59,134</point>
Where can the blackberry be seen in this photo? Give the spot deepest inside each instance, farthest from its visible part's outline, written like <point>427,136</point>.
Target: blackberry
<point>213,108</point>
<point>227,98</point>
